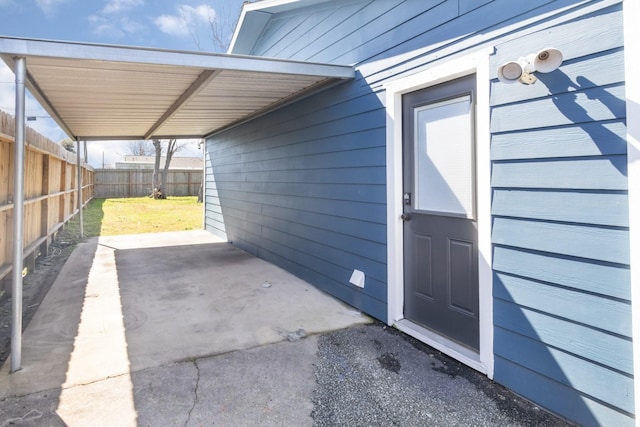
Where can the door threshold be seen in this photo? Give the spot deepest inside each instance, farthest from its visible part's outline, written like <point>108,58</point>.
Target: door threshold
<point>450,348</point>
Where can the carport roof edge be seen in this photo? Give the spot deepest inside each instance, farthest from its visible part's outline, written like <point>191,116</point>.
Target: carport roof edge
<point>96,91</point>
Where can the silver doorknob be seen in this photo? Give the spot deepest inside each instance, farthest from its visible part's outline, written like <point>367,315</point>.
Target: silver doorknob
<point>405,217</point>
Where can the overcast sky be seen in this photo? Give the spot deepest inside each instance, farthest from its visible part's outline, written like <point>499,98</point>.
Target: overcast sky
<point>170,24</point>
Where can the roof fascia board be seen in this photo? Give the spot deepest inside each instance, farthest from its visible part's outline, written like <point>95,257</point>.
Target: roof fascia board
<point>137,55</point>
<point>277,6</point>
<point>249,29</point>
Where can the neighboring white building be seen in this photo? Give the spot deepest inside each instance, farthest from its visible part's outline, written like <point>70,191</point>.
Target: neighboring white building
<point>147,162</point>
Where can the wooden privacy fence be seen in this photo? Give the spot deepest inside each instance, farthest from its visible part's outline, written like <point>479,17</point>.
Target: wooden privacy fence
<point>50,193</point>
<point>137,182</point>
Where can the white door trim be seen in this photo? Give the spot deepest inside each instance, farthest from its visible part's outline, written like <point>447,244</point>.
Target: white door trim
<point>631,11</point>
<point>476,63</point>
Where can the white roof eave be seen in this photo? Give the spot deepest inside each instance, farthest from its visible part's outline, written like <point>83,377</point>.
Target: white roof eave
<point>10,46</point>
<point>254,18</point>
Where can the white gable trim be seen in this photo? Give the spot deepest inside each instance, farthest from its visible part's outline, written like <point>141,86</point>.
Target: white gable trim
<point>471,63</point>
<point>254,18</point>
<point>631,9</point>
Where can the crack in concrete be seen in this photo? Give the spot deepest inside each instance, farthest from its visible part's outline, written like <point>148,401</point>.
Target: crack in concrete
<point>32,415</point>
<point>68,387</point>
<point>195,392</point>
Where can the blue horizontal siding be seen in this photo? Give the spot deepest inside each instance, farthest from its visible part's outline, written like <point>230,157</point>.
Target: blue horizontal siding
<point>352,192</point>
<point>327,244</point>
<point>315,140</point>
<point>602,348</point>
<point>560,225</point>
<point>609,315</point>
<point>596,104</point>
<point>341,17</point>
<point>609,280</point>
<point>371,254</point>
<point>557,397</point>
<point>368,212</point>
<point>279,30</point>
<point>599,384</point>
<point>370,176</point>
<point>466,6</point>
<point>585,140</point>
<point>316,24</point>
<point>593,173</point>
<point>581,207</point>
<point>272,148</point>
<point>347,226</point>
<point>366,157</point>
<point>593,243</point>
<point>363,41</point>
<point>346,116</point>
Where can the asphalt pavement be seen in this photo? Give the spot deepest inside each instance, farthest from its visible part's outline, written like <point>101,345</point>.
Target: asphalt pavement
<point>377,376</point>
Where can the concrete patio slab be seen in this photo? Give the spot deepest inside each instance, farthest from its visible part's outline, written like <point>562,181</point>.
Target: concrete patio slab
<point>126,304</point>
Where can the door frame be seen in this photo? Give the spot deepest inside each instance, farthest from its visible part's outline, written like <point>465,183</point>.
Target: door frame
<point>476,62</point>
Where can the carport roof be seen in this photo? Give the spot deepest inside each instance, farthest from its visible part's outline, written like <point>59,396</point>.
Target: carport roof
<point>103,92</point>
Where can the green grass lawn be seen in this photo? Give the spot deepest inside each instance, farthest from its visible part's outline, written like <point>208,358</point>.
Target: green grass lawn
<point>110,217</point>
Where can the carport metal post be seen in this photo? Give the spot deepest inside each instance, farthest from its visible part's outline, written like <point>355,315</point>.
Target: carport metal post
<point>18,217</point>
<point>79,170</point>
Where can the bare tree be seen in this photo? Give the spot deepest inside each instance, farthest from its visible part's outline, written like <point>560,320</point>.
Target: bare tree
<point>172,147</point>
<point>159,177</point>
<point>220,24</point>
<point>141,148</point>
<point>156,191</point>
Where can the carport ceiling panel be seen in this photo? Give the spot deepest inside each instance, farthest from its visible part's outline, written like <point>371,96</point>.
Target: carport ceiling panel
<point>232,97</point>
<point>110,99</point>
<point>107,92</point>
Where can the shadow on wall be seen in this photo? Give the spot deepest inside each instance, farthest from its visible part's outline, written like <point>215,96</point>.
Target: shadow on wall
<point>533,361</point>
<point>561,347</point>
<point>559,83</point>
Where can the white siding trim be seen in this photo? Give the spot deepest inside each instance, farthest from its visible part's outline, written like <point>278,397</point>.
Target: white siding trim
<point>631,9</point>
<point>476,62</point>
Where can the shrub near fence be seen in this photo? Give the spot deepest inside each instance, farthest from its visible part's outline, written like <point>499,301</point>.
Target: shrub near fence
<point>50,193</point>
<point>116,183</point>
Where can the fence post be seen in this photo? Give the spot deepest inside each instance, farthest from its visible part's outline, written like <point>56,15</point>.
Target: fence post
<point>44,207</point>
<point>80,202</point>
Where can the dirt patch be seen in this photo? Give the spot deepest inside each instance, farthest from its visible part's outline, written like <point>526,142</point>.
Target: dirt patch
<point>35,286</point>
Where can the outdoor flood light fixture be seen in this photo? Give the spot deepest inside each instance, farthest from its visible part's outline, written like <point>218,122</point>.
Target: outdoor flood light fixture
<point>544,61</point>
